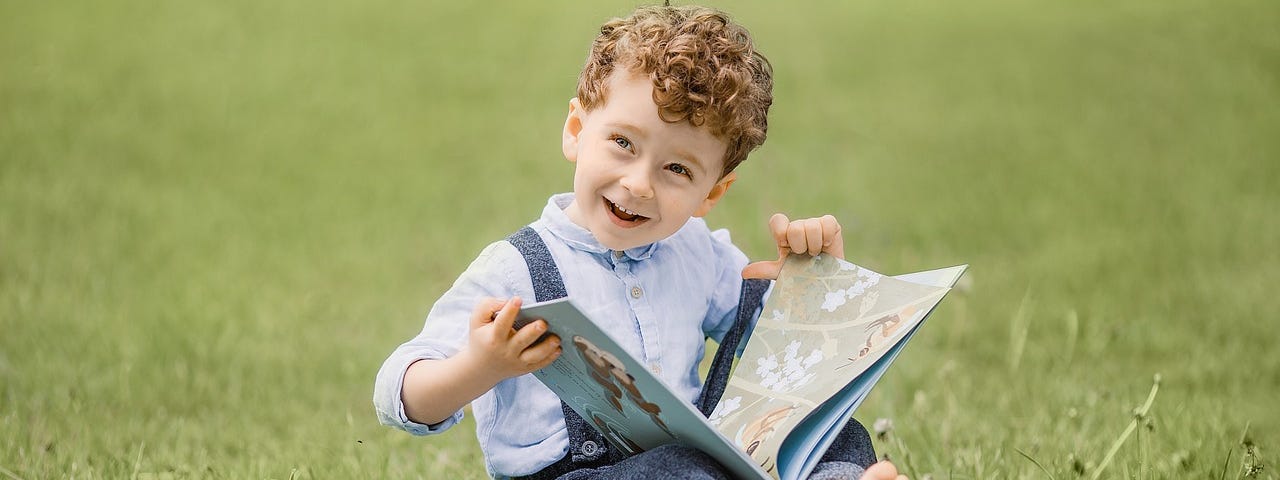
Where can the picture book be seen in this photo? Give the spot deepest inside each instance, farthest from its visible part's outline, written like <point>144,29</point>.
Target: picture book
<point>827,332</point>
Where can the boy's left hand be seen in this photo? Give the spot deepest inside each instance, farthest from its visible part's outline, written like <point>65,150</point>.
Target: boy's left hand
<point>810,235</point>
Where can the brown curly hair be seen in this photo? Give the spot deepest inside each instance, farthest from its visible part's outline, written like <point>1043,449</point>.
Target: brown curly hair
<point>704,67</point>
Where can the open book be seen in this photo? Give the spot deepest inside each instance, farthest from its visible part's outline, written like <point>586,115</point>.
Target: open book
<point>826,334</point>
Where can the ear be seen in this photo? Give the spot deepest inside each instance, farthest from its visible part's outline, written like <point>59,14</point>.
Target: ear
<point>572,129</point>
<point>717,192</point>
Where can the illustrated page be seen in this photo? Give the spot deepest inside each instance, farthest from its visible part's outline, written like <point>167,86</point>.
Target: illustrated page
<point>825,323</point>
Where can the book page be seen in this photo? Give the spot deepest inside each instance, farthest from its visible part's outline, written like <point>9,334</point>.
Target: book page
<point>825,323</point>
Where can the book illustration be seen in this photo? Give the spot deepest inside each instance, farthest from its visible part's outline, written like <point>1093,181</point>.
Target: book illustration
<point>751,435</point>
<point>612,431</point>
<point>798,355</point>
<point>612,376</point>
<point>826,334</point>
<point>878,331</point>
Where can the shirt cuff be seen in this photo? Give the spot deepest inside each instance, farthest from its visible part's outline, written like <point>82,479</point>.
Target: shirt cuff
<point>424,429</point>
<point>389,404</point>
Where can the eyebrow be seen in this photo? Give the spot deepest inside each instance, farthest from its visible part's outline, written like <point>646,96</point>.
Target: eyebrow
<point>627,126</point>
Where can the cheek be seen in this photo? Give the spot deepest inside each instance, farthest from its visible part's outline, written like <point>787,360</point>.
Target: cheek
<point>587,166</point>
<point>684,203</point>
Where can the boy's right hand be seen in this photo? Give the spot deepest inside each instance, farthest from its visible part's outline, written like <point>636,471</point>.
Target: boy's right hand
<point>501,351</point>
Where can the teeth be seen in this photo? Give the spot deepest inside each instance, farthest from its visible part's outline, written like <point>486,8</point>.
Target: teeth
<point>619,207</point>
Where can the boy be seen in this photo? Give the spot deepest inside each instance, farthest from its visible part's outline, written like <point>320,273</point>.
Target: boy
<point>670,101</point>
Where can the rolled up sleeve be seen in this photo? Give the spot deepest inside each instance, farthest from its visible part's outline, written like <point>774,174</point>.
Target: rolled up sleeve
<point>390,382</point>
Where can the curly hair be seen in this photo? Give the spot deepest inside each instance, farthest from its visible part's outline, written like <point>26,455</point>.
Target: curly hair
<point>704,68</point>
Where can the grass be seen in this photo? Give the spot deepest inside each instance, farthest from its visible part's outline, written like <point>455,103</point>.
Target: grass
<point>216,219</point>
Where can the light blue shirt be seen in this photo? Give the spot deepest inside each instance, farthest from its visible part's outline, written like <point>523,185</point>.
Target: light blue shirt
<point>659,301</point>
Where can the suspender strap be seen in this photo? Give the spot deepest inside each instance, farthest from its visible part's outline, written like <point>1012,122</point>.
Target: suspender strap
<point>718,377</point>
<point>586,445</point>
<point>547,284</point>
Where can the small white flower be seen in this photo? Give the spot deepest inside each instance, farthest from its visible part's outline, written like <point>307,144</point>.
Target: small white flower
<point>795,374</point>
<point>871,277</point>
<point>793,369</point>
<point>804,381</point>
<point>726,406</point>
<point>766,364</point>
<point>792,348</point>
<point>882,427</point>
<point>770,381</point>
<point>813,358</point>
<point>789,374</point>
<point>833,300</point>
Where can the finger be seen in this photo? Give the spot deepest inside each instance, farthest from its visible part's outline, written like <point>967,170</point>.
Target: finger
<point>833,238</point>
<point>484,311</point>
<point>813,235</point>
<point>546,360</point>
<point>542,353</point>
<point>795,237</point>
<point>778,228</point>
<point>507,315</point>
<point>529,334</point>
<point>767,270</point>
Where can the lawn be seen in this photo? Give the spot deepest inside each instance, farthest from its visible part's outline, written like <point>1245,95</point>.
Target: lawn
<point>218,218</point>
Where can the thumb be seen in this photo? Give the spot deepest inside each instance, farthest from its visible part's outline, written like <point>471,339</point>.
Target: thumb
<point>767,270</point>
<point>485,311</point>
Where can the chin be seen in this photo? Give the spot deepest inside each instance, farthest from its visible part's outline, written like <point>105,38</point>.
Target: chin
<point>613,241</point>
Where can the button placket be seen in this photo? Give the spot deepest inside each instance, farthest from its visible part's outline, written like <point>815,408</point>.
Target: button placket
<point>647,327</point>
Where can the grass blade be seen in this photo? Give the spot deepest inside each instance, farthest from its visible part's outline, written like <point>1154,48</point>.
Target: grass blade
<point>1138,415</point>
<point>1028,457</point>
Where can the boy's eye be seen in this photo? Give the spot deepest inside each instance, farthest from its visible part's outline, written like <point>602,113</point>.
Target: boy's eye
<point>622,142</point>
<point>679,169</point>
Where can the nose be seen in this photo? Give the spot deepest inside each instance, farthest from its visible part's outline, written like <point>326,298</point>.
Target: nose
<point>636,180</point>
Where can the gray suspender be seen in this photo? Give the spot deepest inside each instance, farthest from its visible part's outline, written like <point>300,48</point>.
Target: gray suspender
<point>718,376</point>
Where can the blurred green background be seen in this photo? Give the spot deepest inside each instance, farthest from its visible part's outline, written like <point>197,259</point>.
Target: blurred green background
<point>218,218</point>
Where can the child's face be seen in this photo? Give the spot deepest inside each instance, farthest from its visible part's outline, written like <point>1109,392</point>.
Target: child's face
<point>638,178</point>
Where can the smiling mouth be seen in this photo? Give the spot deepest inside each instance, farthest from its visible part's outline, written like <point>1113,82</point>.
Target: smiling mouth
<point>622,216</point>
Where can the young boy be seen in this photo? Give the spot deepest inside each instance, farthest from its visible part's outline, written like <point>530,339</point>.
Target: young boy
<point>670,101</point>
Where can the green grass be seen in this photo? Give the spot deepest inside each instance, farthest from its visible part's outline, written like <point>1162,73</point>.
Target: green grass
<point>217,218</point>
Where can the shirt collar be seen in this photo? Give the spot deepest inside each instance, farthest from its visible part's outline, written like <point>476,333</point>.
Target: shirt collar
<point>559,224</point>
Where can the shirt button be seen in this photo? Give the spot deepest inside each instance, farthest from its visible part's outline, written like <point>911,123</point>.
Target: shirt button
<point>636,292</point>
<point>655,368</point>
<point>589,448</point>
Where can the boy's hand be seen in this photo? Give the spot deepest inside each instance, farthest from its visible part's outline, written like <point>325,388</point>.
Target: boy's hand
<point>811,236</point>
<point>500,351</point>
